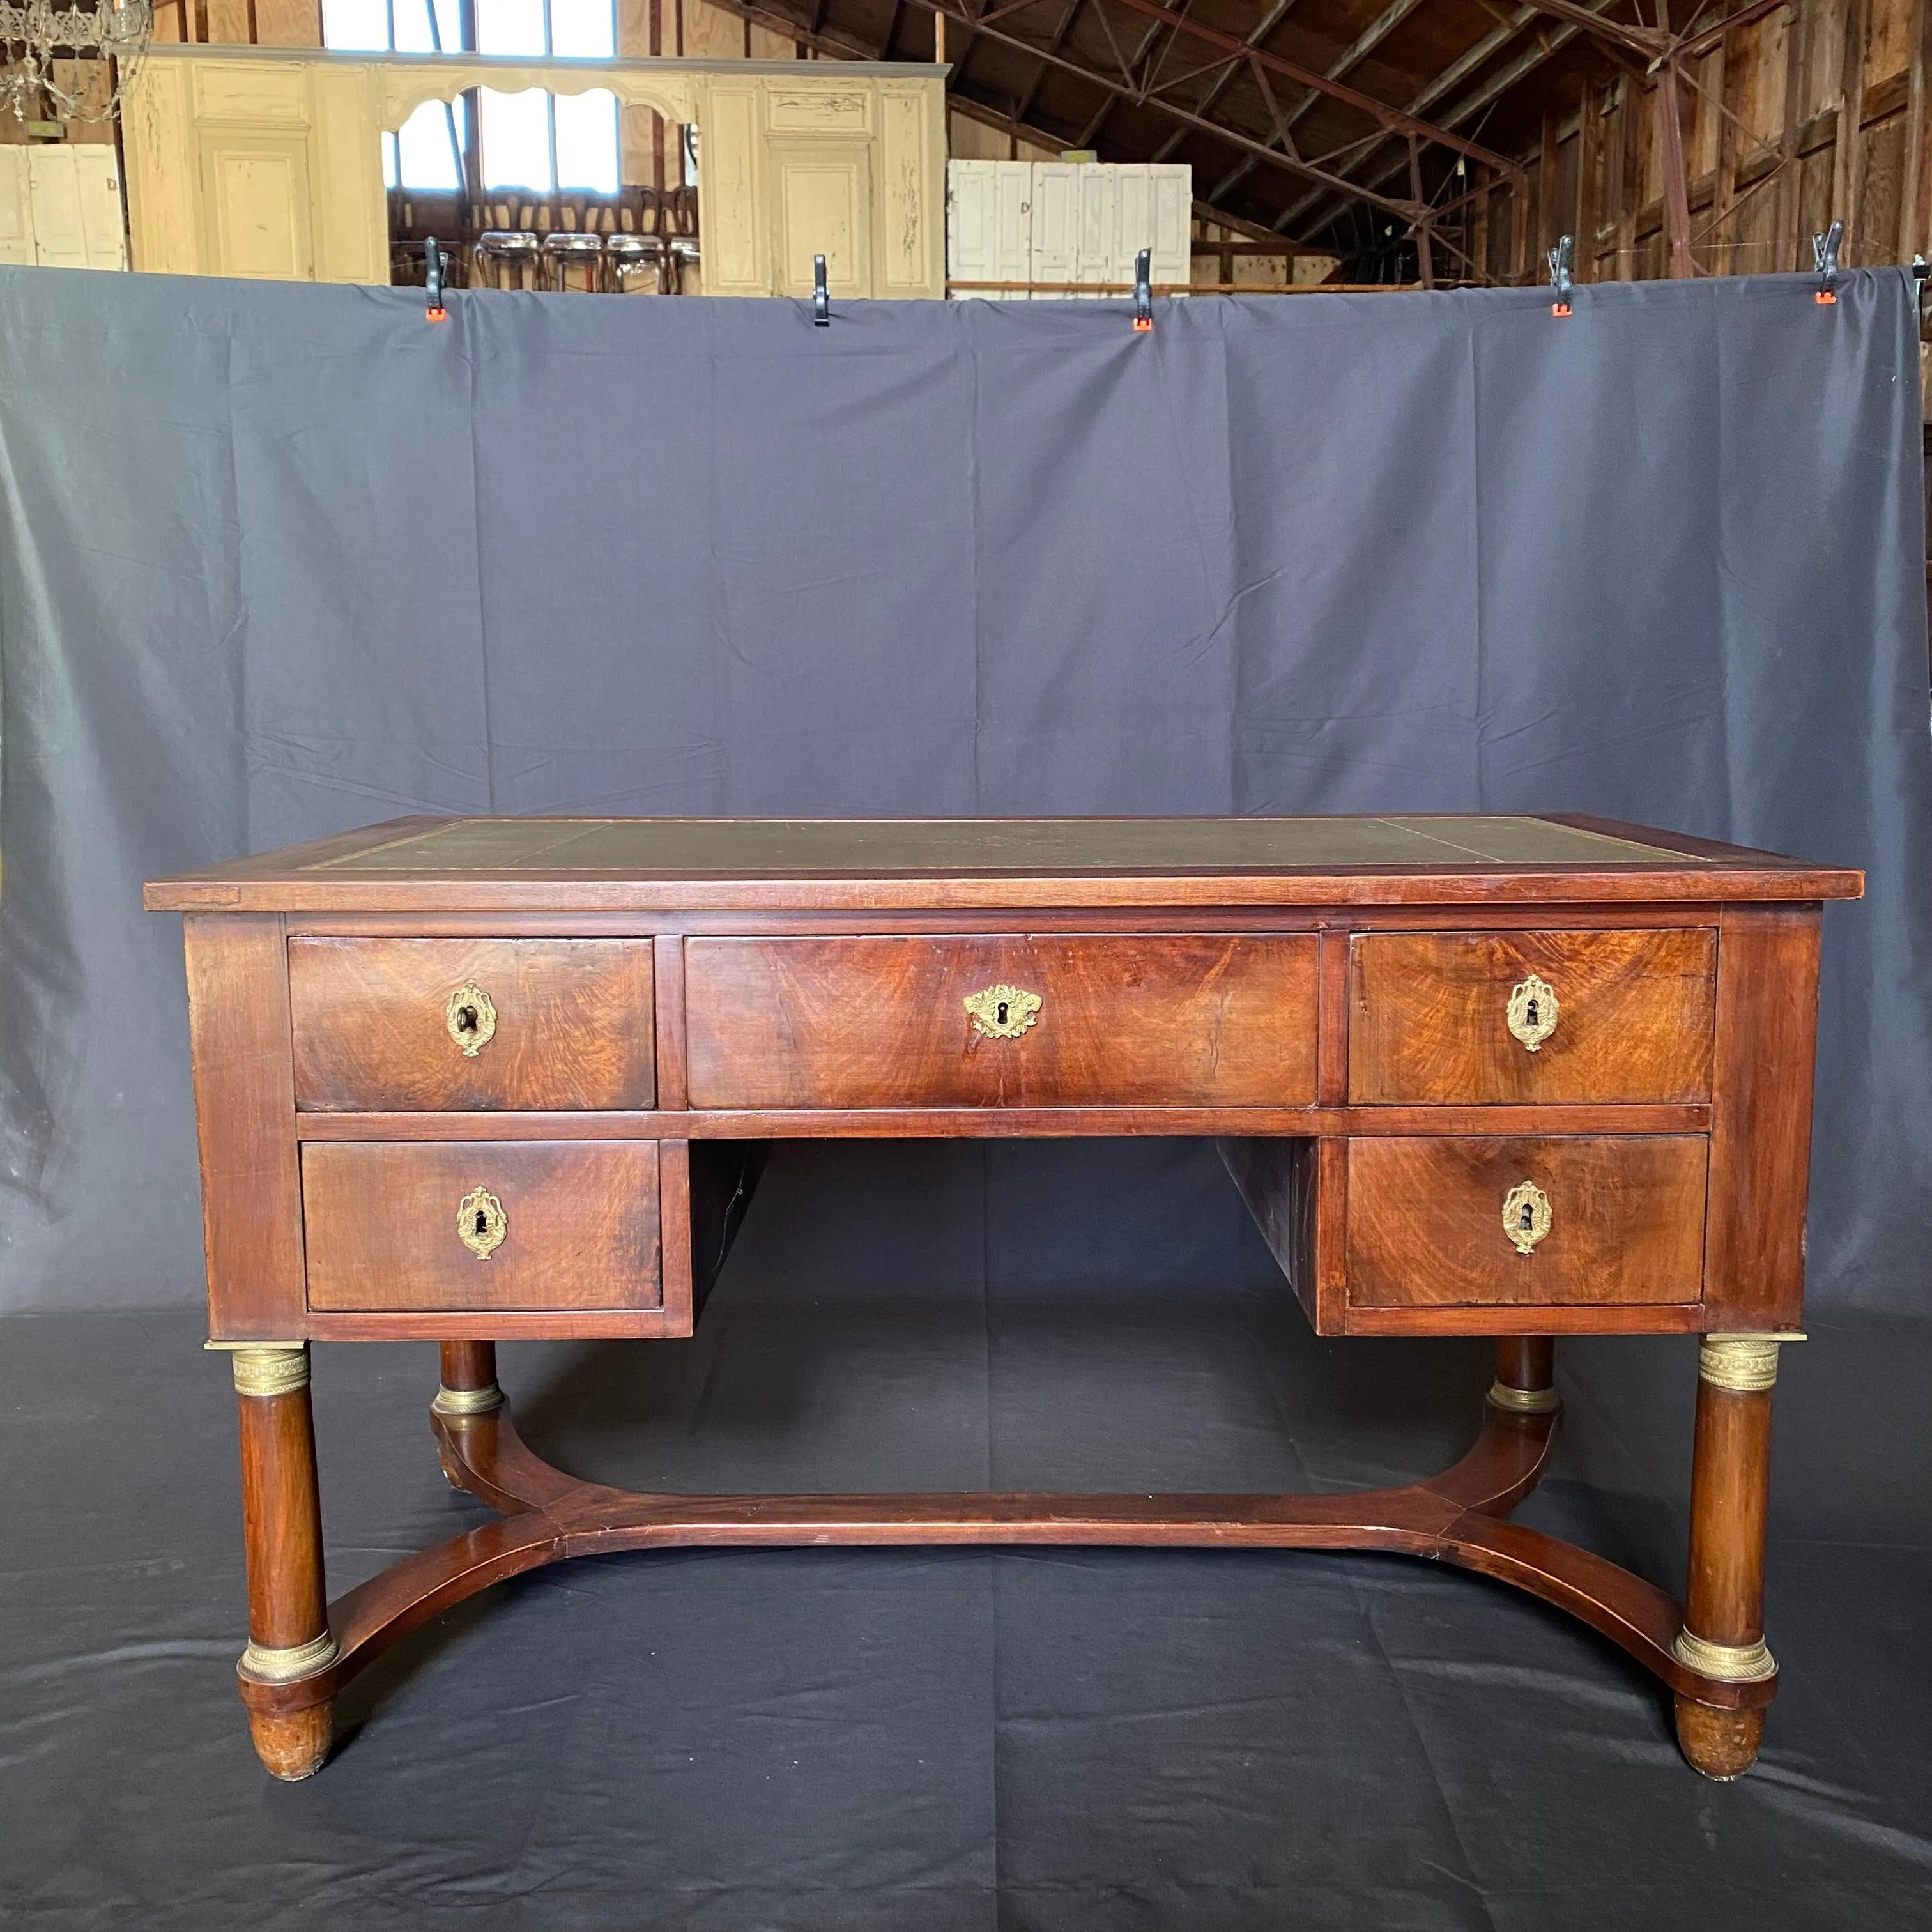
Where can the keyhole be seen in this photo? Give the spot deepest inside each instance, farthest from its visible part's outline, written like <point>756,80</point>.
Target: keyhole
<point>483,1222</point>
<point>1003,1012</point>
<point>1529,1014</point>
<point>1525,1218</point>
<point>465,1018</point>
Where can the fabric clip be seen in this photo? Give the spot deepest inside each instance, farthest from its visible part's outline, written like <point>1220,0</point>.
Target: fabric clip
<point>1143,292</point>
<point>821,296</point>
<point>1824,260</point>
<point>433,310</point>
<point>1560,258</point>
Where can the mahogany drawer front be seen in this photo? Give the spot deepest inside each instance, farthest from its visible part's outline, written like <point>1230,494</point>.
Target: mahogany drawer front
<point>1196,1019</point>
<point>431,1225</point>
<point>394,1025</point>
<point>1425,1222</point>
<point>1430,1016</point>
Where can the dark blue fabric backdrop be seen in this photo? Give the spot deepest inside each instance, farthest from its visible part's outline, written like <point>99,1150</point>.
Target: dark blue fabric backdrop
<point>275,561</point>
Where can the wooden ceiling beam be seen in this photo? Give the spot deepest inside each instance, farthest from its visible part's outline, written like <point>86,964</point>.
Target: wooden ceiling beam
<point>1159,104</point>
<point>1394,120</point>
<point>1548,46</point>
<point>1059,40</point>
<point>1271,20</point>
<point>1358,50</point>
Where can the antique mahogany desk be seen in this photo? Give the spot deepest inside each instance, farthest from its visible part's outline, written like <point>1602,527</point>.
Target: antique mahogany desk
<point>476,1078</point>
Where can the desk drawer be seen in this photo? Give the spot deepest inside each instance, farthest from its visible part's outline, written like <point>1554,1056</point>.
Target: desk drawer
<point>1168,1020</point>
<point>1618,1016</point>
<point>457,1024</point>
<point>431,1225</point>
<point>1478,1223</point>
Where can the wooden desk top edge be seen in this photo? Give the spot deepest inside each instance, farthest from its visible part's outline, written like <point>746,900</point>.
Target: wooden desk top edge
<point>321,876</point>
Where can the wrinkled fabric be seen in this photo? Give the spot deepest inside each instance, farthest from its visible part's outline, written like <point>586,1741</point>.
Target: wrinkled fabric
<point>992,1741</point>
<point>278,561</point>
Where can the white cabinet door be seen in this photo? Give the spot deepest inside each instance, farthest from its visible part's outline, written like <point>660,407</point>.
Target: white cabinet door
<point>1055,246</point>
<point>989,225</point>
<point>17,219</point>
<point>972,218</point>
<point>74,199</point>
<point>1172,190</point>
<point>1099,232</point>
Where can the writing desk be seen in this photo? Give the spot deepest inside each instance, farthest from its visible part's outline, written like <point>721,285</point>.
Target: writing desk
<point>477,1078</point>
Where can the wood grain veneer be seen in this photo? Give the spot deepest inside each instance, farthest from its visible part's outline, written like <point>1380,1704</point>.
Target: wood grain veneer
<point>1425,1223</point>
<point>574,1024</point>
<point>1202,1020</point>
<point>1428,1020</point>
<point>582,1220</point>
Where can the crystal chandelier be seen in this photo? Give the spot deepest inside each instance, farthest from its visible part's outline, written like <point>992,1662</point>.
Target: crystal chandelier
<point>36,34</point>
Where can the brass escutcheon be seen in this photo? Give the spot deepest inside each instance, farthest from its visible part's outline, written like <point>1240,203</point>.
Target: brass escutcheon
<point>1532,1011</point>
<point>470,1014</point>
<point>481,1223</point>
<point>1526,1215</point>
<point>1004,1012</point>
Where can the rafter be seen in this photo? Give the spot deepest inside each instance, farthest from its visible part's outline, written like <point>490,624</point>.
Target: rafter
<point>1548,46</point>
<point>1365,44</point>
<point>1394,119</point>
<point>1158,104</point>
<point>1271,20</point>
<point>1059,40</point>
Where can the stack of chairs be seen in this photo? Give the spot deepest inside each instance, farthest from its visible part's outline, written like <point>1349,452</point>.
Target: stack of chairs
<point>646,241</point>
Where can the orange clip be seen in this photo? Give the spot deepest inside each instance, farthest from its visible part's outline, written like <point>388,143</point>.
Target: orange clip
<point>436,315</point>
<point>1143,325</point>
<point>1559,308</point>
<point>1825,298</point>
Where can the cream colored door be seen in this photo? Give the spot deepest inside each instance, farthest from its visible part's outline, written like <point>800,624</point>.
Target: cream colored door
<point>822,205</point>
<point>256,202</point>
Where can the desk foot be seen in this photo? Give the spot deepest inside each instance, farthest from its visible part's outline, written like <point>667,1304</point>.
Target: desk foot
<point>1723,1745</point>
<point>294,1746</point>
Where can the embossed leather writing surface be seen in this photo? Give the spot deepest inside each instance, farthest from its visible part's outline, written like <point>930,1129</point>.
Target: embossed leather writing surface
<point>733,846</point>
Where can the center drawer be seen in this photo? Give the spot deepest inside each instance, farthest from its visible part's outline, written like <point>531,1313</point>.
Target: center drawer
<point>428,1226</point>
<point>1028,1020</point>
<point>385,1025</point>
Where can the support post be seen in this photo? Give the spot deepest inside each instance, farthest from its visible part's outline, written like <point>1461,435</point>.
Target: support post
<point>289,1637</point>
<point>1525,1383</point>
<point>467,1387</point>
<point>1723,1635</point>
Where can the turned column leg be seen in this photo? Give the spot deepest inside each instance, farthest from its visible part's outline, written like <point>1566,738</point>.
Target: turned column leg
<point>1525,1383</point>
<point>289,1637</point>
<point>1723,1635</point>
<point>468,1388</point>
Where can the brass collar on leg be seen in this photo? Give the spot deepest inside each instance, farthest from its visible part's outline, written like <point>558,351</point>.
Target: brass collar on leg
<point>1743,1363</point>
<point>269,1666</point>
<point>1728,1663</point>
<point>269,1368</point>
<point>467,1402</point>
<point>1524,1402</point>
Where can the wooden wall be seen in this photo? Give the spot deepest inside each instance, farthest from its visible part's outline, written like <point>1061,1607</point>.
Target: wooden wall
<point>1815,111</point>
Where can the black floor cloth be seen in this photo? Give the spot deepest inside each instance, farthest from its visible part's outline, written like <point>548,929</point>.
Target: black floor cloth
<point>914,1739</point>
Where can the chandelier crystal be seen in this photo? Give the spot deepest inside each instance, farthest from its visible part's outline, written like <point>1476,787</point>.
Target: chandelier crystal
<point>35,34</point>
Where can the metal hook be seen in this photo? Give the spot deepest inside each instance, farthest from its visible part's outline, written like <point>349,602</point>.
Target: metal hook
<point>432,308</point>
<point>821,296</point>
<point>1824,260</point>
<point>1143,292</point>
<point>1560,258</point>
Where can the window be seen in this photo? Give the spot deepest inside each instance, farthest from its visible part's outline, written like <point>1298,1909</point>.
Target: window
<point>534,139</point>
